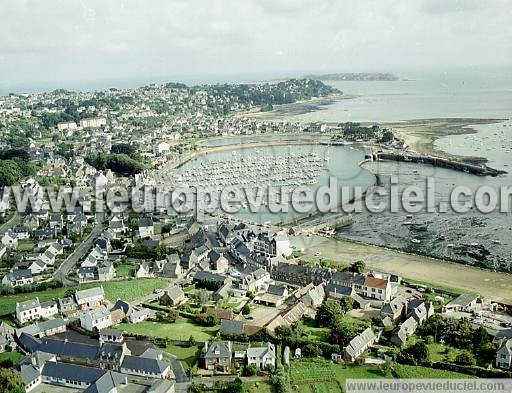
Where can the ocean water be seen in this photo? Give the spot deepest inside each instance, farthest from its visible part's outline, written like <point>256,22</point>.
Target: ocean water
<point>474,238</point>
<point>468,93</point>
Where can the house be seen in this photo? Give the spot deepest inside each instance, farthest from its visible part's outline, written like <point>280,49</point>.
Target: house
<point>377,288</point>
<point>45,328</point>
<point>49,309</point>
<point>162,148</point>
<point>9,239</point>
<point>29,310</point>
<point>420,310</point>
<point>223,292</point>
<point>216,356</point>
<point>359,344</point>
<point>262,357</point>
<point>274,297</point>
<point>504,355</point>
<point>146,367</point>
<point>462,303</point>
<point>162,386</point>
<point>143,270</point>
<point>56,222</point>
<point>146,227</point>
<point>67,305</point>
<point>395,309</point>
<point>172,297</point>
<point>18,278</point>
<point>335,291</point>
<point>111,335</point>
<point>98,318</point>
<point>89,298</point>
<point>105,272</point>
<point>315,296</point>
<point>139,315</point>
<point>3,250</point>
<point>219,261</point>
<point>405,330</point>
<point>231,328</point>
<point>288,316</point>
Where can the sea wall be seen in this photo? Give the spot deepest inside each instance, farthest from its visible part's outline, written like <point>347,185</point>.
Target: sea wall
<point>441,162</point>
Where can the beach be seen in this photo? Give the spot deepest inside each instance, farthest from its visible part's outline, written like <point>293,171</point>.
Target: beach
<point>491,285</point>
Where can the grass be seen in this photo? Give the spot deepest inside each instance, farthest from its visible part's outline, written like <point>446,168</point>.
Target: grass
<point>436,287</point>
<point>439,352</point>
<point>258,387</point>
<point>128,290</point>
<point>324,376</point>
<point>182,329</point>
<point>125,270</point>
<point>25,245</point>
<point>187,355</point>
<point>406,371</point>
<point>14,356</point>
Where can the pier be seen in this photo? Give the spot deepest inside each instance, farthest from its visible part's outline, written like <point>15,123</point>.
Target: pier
<point>440,162</point>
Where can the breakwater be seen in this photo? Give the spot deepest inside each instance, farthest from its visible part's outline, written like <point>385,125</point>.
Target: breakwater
<point>440,162</point>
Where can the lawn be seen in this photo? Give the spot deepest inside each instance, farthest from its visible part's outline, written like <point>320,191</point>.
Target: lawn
<point>324,376</point>
<point>25,245</point>
<point>405,371</point>
<point>14,356</point>
<point>439,352</point>
<point>187,355</point>
<point>258,387</point>
<point>182,329</point>
<point>128,290</point>
<point>125,270</point>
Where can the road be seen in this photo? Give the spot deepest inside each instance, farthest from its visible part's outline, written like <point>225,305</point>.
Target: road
<point>12,222</point>
<point>80,252</point>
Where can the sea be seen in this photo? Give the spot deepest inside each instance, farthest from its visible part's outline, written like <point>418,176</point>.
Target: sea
<point>475,238</point>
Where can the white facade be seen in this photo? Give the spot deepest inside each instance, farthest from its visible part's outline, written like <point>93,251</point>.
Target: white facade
<point>99,318</point>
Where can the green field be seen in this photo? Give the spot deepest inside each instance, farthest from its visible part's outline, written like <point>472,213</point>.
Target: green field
<point>128,290</point>
<point>405,371</point>
<point>187,355</point>
<point>14,356</point>
<point>125,270</point>
<point>182,329</point>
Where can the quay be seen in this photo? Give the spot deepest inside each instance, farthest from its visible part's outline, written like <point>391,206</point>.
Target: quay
<point>439,162</point>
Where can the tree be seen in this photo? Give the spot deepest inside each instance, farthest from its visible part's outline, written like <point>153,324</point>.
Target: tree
<point>357,267</point>
<point>191,341</point>
<point>11,381</point>
<point>329,314</point>
<point>250,371</point>
<point>414,354</point>
<point>465,358</point>
<point>246,309</point>
<point>464,333</point>
<point>346,303</point>
<point>343,331</point>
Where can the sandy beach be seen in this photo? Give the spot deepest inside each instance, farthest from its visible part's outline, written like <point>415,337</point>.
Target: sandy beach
<point>489,284</point>
<point>420,135</point>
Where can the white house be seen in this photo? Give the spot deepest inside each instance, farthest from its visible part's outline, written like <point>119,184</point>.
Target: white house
<point>262,356</point>
<point>504,355</point>
<point>29,310</point>
<point>377,288</point>
<point>162,148</point>
<point>98,318</point>
<point>18,278</point>
<point>146,227</point>
<point>90,298</point>
<point>49,309</point>
<point>9,239</point>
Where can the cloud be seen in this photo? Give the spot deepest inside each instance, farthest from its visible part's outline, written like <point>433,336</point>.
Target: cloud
<point>92,39</point>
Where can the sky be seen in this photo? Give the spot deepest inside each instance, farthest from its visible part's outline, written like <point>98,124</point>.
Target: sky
<point>70,40</point>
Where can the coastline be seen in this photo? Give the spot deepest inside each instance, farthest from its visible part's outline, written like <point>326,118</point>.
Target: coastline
<point>419,267</point>
<point>421,135</point>
<point>490,284</point>
<point>296,108</point>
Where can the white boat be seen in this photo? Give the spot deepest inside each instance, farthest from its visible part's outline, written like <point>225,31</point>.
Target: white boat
<point>415,241</point>
<point>407,223</point>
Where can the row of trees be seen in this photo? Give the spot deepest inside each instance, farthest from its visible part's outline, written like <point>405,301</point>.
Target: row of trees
<point>14,166</point>
<point>119,163</point>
